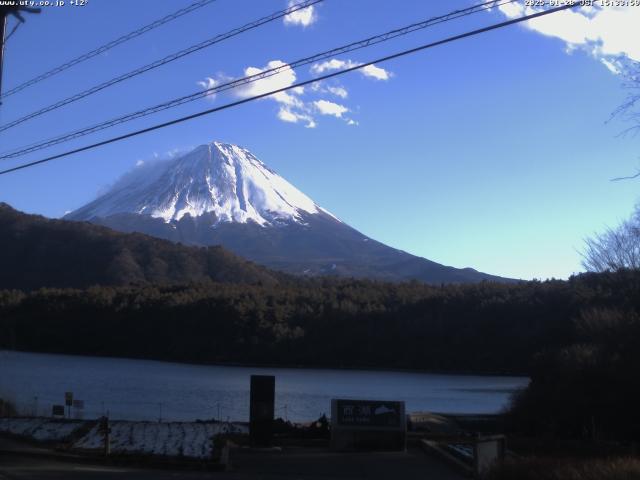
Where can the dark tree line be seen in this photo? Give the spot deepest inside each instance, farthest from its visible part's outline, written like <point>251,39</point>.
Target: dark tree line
<point>589,388</point>
<point>329,322</point>
<point>37,252</point>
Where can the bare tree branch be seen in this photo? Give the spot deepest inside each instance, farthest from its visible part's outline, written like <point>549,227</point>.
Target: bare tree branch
<point>616,248</point>
<point>630,177</point>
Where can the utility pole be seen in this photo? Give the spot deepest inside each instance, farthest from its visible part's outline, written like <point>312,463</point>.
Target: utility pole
<point>3,27</point>
<point>103,427</point>
<point>5,11</point>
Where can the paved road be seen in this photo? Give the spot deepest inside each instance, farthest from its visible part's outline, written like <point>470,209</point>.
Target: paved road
<point>319,464</point>
<point>30,468</point>
<point>26,461</point>
<point>302,465</point>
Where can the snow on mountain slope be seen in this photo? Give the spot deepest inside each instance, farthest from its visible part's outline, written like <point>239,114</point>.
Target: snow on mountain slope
<point>221,194</point>
<point>219,178</point>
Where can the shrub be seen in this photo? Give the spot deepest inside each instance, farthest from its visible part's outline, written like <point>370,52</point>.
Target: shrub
<point>7,408</point>
<point>625,468</point>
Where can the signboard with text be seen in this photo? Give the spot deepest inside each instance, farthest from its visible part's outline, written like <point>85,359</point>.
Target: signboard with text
<point>368,425</point>
<point>369,413</point>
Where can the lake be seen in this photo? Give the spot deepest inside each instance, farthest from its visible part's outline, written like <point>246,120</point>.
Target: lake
<point>153,390</point>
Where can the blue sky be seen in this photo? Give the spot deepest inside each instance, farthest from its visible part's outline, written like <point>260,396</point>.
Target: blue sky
<point>492,152</point>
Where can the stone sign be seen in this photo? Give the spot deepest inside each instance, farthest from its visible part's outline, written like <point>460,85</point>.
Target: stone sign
<point>368,425</point>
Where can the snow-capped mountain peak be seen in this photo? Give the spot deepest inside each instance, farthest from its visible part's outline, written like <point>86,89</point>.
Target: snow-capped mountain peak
<point>219,178</point>
<point>236,201</point>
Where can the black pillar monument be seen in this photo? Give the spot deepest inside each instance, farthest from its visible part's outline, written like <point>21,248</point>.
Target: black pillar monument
<point>261,409</point>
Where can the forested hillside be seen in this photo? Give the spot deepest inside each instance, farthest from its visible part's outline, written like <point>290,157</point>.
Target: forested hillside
<point>329,322</point>
<point>37,252</point>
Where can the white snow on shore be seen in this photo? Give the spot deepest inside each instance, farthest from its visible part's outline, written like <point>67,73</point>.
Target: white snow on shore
<point>40,429</point>
<point>173,439</point>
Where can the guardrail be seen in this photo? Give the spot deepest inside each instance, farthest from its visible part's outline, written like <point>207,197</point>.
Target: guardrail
<point>473,456</point>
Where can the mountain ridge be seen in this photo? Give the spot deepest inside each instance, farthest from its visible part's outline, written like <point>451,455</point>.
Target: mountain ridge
<point>221,194</point>
<point>37,252</point>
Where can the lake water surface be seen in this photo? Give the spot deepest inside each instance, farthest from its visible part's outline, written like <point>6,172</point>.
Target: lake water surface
<point>150,390</point>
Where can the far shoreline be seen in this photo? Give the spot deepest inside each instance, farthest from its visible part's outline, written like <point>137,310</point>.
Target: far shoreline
<point>472,373</point>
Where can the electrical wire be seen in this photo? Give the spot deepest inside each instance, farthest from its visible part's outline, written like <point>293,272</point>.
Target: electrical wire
<point>20,151</point>
<point>158,63</point>
<point>107,46</point>
<point>290,87</point>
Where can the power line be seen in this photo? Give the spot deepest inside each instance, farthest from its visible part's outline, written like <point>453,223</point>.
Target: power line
<point>253,78</point>
<point>290,87</point>
<point>158,63</point>
<point>108,46</point>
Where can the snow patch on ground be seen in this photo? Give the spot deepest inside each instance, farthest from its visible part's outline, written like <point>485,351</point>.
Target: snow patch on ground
<point>174,439</point>
<point>40,429</point>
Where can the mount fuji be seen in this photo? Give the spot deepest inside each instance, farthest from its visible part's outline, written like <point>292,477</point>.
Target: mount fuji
<point>221,194</point>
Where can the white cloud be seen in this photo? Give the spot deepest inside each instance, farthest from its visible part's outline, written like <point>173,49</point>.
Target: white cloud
<point>371,71</point>
<point>326,107</point>
<point>294,105</point>
<point>613,65</point>
<point>287,115</point>
<point>292,108</point>
<point>303,17</point>
<point>285,78</point>
<point>607,33</point>
<point>207,84</point>
<point>378,73</point>
<point>338,91</point>
<point>333,64</point>
<point>139,163</point>
<point>176,152</point>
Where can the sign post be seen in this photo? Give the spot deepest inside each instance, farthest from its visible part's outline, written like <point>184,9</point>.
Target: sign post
<point>261,409</point>
<point>78,407</point>
<point>368,425</point>
<point>103,427</point>
<point>68,401</point>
